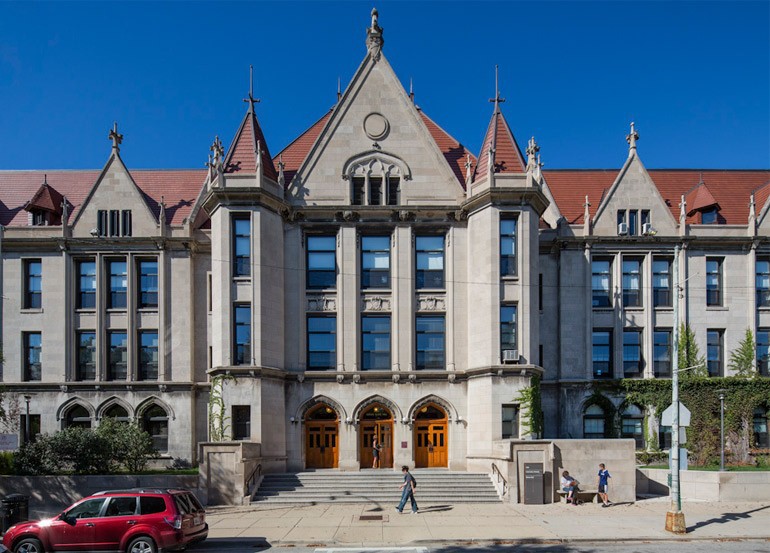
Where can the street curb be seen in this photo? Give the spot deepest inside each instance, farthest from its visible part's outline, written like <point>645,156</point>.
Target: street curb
<point>525,541</point>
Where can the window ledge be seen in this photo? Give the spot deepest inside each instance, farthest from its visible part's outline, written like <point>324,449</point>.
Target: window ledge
<point>147,309</point>
<point>430,290</point>
<point>609,309</point>
<point>638,308</point>
<point>242,278</point>
<point>116,310</point>
<point>85,310</point>
<point>32,310</point>
<point>717,308</point>
<point>376,290</point>
<point>320,290</point>
<point>664,308</point>
<point>506,278</point>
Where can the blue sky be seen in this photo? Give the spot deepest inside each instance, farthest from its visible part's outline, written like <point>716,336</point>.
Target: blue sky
<point>694,76</point>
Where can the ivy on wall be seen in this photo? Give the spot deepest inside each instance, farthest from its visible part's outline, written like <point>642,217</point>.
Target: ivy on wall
<point>219,426</point>
<point>532,408</point>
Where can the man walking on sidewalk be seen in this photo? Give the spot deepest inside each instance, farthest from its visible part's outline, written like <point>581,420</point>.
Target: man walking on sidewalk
<point>602,479</point>
<point>407,491</point>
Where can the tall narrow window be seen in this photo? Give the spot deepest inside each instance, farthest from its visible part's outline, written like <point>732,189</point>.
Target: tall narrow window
<point>101,222</point>
<point>763,283</point>
<point>87,285</point>
<point>33,283</point>
<point>713,281</point>
<point>761,437</point>
<point>126,222</point>
<point>602,353</point>
<point>148,355</point>
<point>241,422</point>
<point>321,343</point>
<point>375,343</point>
<point>632,282</point>
<point>593,423</point>
<point>633,222</point>
<point>375,262</point>
<point>117,368</point>
<point>430,342</point>
<point>241,245</point>
<point>763,351</point>
<point>114,222</point>
<point>77,417</point>
<point>633,364</point>
<point>118,284</point>
<point>33,347</point>
<point>393,184</point>
<point>242,334</point>
<point>430,261</point>
<point>321,262</point>
<point>86,365</point>
<point>155,423</point>
<point>508,338</point>
<point>508,264</point>
<point>148,284</point>
<point>661,282</point>
<point>662,352</point>
<point>510,422</point>
<point>715,354</point>
<point>631,425</point>
<point>601,282</point>
<point>375,191</point>
<point>359,183</point>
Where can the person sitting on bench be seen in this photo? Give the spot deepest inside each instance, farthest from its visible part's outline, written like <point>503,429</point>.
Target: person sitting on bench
<point>569,485</point>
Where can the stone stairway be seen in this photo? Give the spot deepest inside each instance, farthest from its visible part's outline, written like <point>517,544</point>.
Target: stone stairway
<point>375,486</point>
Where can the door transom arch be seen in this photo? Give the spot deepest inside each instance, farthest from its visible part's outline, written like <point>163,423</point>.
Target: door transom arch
<point>430,436</point>
<point>376,421</point>
<point>321,437</point>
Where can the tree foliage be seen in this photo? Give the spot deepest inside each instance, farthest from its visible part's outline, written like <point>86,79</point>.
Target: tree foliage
<point>742,358</point>
<point>689,354</point>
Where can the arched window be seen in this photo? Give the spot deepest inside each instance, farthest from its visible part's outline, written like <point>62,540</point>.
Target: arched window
<point>593,422</point>
<point>117,412</point>
<point>155,423</point>
<point>631,425</point>
<point>322,413</point>
<point>375,178</point>
<point>79,417</point>
<point>761,438</point>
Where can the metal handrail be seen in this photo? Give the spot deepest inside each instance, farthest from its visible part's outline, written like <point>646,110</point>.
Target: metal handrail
<point>251,480</point>
<point>496,472</point>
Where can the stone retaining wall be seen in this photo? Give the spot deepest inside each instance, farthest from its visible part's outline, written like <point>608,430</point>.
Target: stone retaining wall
<point>707,485</point>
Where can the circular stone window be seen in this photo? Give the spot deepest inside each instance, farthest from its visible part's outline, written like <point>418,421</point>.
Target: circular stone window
<point>376,126</point>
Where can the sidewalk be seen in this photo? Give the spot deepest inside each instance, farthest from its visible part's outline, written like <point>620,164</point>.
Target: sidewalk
<point>330,524</point>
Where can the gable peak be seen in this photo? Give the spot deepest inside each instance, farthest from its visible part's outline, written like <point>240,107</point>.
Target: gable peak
<point>116,138</point>
<point>631,138</point>
<point>374,39</point>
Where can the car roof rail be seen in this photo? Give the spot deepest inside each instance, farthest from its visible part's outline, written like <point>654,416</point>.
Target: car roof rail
<point>133,490</point>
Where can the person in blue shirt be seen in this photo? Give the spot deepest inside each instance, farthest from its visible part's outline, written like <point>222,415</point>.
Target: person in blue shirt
<point>602,480</point>
<point>407,491</point>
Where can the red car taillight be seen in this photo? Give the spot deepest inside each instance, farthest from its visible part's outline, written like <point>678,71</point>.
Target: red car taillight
<point>175,522</point>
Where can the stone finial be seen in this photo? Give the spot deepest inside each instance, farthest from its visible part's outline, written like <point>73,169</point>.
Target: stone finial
<point>374,40</point>
<point>339,89</point>
<point>532,150</point>
<point>162,214</point>
<point>65,210</point>
<point>251,100</point>
<point>586,212</point>
<point>218,152</point>
<point>116,138</point>
<point>491,160</point>
<point>631,138</point>
<point>540,165</point>
<point>259,155</point>
<point>281,175</point>
<point>468,173</point>
<point>497,100</point>
<point>682,210</point>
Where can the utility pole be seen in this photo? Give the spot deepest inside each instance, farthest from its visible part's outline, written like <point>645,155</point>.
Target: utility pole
<point>675,517</point>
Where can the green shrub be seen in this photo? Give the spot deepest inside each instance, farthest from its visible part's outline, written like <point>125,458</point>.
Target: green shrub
<point>130,446</point>
<point>6,462</point>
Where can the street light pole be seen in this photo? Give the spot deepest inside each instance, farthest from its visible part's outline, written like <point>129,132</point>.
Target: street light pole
<point>675,517</point>
<point>721,430</point>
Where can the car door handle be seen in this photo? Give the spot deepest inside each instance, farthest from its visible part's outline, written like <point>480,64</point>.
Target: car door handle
<point>130,522</point>
<point>89,524</point>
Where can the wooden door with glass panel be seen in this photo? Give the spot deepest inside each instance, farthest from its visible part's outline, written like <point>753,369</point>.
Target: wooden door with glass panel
<point>321,429</point>
<point>377,422</point>
<point>430,436</point>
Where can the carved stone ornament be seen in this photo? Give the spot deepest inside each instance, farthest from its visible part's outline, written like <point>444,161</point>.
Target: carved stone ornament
<point>322,303</point>
<point>162,387</point>
<point>340,378</point>
<point>376,303</point>
<point>300,378</point>
<point>396,378</point>
<point>356,378</point>
<point>451,377</point>
<point>412,378</point>
<point>431,303</point>
<point>63,388</point>
<point>376,126</point>
<point>347,216</point>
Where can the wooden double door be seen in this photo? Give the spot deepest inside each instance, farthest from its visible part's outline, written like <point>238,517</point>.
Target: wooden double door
<point>430,437</point>
<point>321,437</point>
<point>383,431</point>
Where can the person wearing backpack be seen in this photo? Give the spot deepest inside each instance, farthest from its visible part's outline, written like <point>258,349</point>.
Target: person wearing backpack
<point>407,491</point>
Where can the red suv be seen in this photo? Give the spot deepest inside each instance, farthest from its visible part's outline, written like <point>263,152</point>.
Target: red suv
<point>130,521</point>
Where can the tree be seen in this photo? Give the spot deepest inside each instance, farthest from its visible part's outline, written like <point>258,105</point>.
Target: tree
<point>130,446</point>
<point>742,358</point>
<point>689,354</point>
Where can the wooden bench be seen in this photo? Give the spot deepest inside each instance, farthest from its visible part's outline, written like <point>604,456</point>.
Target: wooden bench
<point>593,493</point>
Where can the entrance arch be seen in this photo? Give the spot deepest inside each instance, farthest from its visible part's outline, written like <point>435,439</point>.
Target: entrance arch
<point>321,429</point>
<point>430,436</point>
<point>376,422</point>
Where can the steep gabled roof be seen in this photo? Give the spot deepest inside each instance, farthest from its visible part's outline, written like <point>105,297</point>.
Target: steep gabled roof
<point>242,155</point>
<point>179,188</point>
<point>730,189</point>
<point>455,153</point>
<point>296,152</point>
<point>699,198</point>
<point>508,157</point>
<point>47,198</point>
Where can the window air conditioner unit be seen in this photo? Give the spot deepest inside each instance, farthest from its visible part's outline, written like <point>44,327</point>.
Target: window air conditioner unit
<point>647,229</point>
<point>622,229</point>
<point>510,356</point>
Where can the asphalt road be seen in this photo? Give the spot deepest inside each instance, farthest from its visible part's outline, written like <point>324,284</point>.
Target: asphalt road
<point>698,546</point>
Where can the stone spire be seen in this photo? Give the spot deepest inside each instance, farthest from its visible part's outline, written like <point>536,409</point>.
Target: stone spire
<point>468,172</point>
<point>682,216</point>
<point>532,150</point>
<point>631,138</point>
<point>374,40</point>
<point>752,216</point>
<point>586,217</point>
<point>281,175</point>
<point>116,138</point>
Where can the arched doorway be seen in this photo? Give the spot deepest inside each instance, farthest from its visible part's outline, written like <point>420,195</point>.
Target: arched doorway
<point>321,438</point>
<point>377,422</point>
<point>430,436</point>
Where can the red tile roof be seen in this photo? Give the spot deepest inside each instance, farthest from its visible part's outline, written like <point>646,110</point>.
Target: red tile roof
<point>295,153</point>
<point>760,197</point>
<point>508,158</point>
<point>180,188</point>
<point>47,199</point>
<point>242,156</point>
<point>731,189</point>
<point>699,198</point>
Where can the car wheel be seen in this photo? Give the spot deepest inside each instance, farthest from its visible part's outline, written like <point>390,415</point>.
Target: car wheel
<point>29,545</point>
<point>142,544</point>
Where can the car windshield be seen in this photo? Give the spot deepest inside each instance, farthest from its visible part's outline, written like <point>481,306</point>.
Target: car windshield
<point>89,508</point>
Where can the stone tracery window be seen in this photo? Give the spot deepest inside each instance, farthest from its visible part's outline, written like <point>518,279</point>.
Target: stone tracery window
<point>375,179</point>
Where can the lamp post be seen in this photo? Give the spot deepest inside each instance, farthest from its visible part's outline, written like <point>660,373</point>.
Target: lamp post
<point>721,429</point>
<point>27,397</point>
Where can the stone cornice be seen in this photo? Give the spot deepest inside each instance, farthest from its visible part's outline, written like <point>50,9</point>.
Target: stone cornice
<point>243,196</point>
<point>508,197</point>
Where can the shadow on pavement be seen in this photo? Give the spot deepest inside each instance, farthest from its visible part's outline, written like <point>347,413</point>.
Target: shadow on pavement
<point>223,544</point>
<point>725,518</point>
<point>509,547</point>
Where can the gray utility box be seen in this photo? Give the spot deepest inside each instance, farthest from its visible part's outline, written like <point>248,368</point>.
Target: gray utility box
<point>533,484</point>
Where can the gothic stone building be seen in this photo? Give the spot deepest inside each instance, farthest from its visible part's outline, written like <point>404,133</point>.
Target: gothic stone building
<point>374,278</point>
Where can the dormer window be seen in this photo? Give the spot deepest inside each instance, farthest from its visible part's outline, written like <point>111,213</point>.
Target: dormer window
<point>709,216</point>
<point>39,218</point>
<point>375,178</point>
